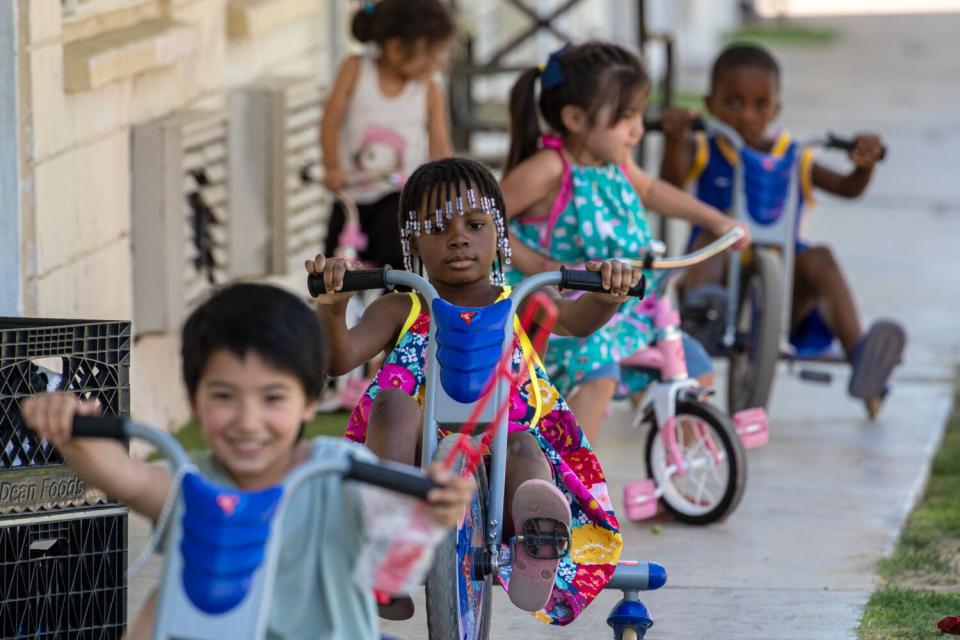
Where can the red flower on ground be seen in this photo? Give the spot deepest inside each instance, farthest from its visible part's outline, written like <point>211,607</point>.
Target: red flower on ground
<point>950,624</point>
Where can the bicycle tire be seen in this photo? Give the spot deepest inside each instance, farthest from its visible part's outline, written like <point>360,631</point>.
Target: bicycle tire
<point>459,608</point>
<point>754,354</point>
<point>735,456</point>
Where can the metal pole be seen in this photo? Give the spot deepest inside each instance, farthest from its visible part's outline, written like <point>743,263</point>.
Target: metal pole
<point>10,221</point>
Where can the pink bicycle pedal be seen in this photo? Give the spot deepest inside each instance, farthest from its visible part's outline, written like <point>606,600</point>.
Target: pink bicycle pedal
<point>751,426</point>
<point>640,499</point>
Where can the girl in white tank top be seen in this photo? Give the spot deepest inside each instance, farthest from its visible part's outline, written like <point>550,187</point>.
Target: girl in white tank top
<point>386,114</point>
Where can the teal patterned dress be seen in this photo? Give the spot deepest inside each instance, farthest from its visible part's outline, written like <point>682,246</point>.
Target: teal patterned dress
<point>597,215</point>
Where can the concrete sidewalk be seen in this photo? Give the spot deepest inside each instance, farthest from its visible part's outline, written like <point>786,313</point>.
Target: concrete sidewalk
<point>826,499</point>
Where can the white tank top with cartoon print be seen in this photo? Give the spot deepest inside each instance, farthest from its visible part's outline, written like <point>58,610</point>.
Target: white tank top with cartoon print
<point>384,139</point>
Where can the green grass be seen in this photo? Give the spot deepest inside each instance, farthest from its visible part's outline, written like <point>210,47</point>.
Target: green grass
<point>325,424</point>
<point>920,582</point>
<point>895,613</point>
<point>777,32</point>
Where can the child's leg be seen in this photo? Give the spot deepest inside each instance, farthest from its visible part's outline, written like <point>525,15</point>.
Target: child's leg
<point>525,461</point>
<point>394,428</point>
<point>699,364</point>
<point>531,499</point>
<point>334,229</point>
<point>819,282</point>
<point>378,221</point>
<point>589,402</point>
<point>393,433</point>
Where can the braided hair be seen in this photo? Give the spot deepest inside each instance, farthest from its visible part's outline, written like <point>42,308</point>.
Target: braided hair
<point>590,76</point>
<point>439,189</point>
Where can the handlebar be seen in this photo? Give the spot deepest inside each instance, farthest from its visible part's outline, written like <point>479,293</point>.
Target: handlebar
<point>656,126</point>
<point>358,280</point>
<point>590,281</point>
<point>847,144</point>
<point>363,279</point>
<point>394,477</point>
<point>831,141</point>
<point>719,245</point>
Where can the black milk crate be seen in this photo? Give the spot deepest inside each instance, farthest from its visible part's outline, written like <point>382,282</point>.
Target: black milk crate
<point>63,545</point>
<point>64,575</point>
<point>91,358</point>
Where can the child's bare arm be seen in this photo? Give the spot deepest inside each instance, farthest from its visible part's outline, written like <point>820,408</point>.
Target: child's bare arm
<point>530,185</point>
<point>437,131</point>
<point>865,154</point>
<point>672,202</point>
<point>334,111</point>
<point>591,311</point>
<point>677,145</point>
<point>103,463</point>
<point>349,348</point>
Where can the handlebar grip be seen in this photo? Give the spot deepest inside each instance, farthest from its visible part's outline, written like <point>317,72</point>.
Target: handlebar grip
<point>99,427</point>
<point>582,280</point>
<point>360,280</point>
<point>846,144</point>
<point>656,126</point>
<point>395,477</point>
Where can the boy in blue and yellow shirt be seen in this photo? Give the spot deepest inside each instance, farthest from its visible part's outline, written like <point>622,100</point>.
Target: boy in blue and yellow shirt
<point>745,94</point>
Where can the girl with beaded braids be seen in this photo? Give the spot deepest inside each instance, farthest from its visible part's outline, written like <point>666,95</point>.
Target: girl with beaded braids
<point>575,195</point>
<point>453,229</point>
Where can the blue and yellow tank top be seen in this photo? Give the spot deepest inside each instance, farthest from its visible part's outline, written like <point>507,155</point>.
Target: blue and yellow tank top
<point>766,176</point>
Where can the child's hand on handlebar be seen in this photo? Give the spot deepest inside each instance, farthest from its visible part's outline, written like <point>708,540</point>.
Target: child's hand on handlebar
<point>677,122</point>
<point>51,414</point>
<point>448,502</point>
<point>867,150</point>
<point>334,179</point>
<point>332,270</point>
<point>617,277</point>
<point>725,224</point>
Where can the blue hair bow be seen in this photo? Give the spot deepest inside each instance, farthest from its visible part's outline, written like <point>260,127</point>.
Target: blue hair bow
<point>368,7</point>
<point>551,75</point>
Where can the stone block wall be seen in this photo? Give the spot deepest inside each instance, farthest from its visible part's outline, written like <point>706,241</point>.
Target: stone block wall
<point>89,70</point>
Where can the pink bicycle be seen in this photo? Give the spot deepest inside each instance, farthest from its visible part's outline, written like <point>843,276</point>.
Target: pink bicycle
<point>695,460</point>
<point>351,242</point>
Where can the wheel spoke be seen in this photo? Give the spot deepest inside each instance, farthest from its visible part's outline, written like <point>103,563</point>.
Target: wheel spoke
<point>700,487</point>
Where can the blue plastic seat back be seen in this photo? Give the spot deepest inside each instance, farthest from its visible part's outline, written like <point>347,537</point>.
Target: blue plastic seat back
<point>469,341</point>
<point>224,534</point>
<point>767,182</point>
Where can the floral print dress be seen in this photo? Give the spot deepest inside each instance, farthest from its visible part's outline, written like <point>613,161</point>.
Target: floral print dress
<point>537,407</point>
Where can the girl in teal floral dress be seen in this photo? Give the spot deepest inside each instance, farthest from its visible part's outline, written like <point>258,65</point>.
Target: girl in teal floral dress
<point>576,195</point>
<point>453,227</point>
